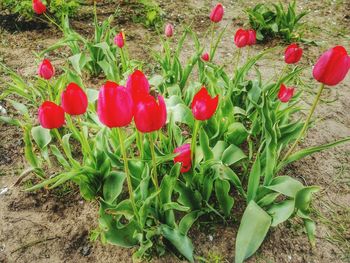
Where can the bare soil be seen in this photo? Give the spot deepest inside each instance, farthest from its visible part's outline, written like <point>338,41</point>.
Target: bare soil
<point>54,226</point>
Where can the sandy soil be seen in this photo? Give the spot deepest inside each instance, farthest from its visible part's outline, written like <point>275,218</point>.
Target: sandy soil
<point>54,226</point>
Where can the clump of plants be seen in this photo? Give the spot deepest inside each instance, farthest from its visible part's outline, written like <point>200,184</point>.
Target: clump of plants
<point>26,9</point>
<point>273,20</point>
<point>158,153</point>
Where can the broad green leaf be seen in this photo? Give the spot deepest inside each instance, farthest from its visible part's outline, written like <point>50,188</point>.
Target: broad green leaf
<point>285,185</point>
<point>226,173</point>
<point>303,198</point>
<point>310,227</point>
<point>60,158</point>
<point>254,179</point>
<point>92,95</point>
<point>218,150</point>
<point>187,221</point>
<point>20,107</point>
<point>181,242</point>
<point>28,149</point>
<point>175,206</point>
<point>232,155</point>
<point>204,143</point>
<point>280,212</point>
<point>113,186</point>
<point>41,136</point>
<point>222,191</point>
<point>236,133</point>
<point>254,226</point>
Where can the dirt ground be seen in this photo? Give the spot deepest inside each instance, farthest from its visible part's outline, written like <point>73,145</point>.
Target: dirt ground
<point>54,226</point>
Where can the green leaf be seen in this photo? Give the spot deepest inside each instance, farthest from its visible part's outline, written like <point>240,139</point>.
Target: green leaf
<point>285,185</point>
<point>181,242</point>
<point>236,133</point>
<point>204,143</point>
<point>60,158</point>
<point>232,155</point>
<point>254,226</point>
<point>222,191</point>
<point>41,136</point>
<point>188,220</point>
<point>310,227</point>
<point>175,206</point>
<point>305,152</point>
<point>254,179</point>
<point>20,107</point>
<point>280,212</point>
<point>303,198</point>
<point>113,186</point>
<point>92,95</point>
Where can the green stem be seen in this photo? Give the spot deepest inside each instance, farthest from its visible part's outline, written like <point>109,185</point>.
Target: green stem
<point>84,140</point>
<point>238,59</point>
<point>127,172</point>
<point>139,137</point>
<point>306,124</point>
<point>194,143</point>
<point>122,56</point>
<point>53,22</point>
<point>212,27</point>
<point>154,162</point>
<point>51,98</point>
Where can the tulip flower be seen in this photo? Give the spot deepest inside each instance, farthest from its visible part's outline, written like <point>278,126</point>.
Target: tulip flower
<point>46,70</point>
<point>332,67</point>
<point>241,38</point>
<point>285,94</point>
<point>114,105</point>
<point>38,7</point>
<point>183,157</point>
<point>138,85</point>
<point>203,106</point>
<point>217,13</point>
<point>293,54</point>
<point>74,100</point>
<point>252,37</point>
<point>119,40</point>
<point>51,116</point>
<point>149,115</point>
<point>169,30</point>
<point>205,57</point>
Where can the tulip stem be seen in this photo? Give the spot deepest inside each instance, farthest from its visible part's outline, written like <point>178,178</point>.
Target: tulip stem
<point>139,137</point>
<point>212,27</point>
<point>194,143</point>
<point>154,162</point>
<point>69,156</point>
<point>238,59</point>
<point>306,123</point>
<point>51,98</point>
<point>53,22</point>
<point>84,140</point>
<point>127,172</point>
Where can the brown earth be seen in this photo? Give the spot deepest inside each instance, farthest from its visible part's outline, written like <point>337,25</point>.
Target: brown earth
<point>54,226</point>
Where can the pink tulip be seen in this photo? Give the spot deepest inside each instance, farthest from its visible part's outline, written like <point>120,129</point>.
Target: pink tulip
<point>119,40</point>
<point>217,13</point>
<point>205,57</point>
<point>293,54</point>
<point>241,38</point>
<point>169,30</point>
<point>46,70</point>
<point>285,94</point>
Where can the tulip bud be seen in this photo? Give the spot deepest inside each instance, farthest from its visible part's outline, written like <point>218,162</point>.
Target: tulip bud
<point>74,100</point>
<point>38,7</point>
<point>183,157</point>
<point>169,30</point>
<point>119,40</point>
<point>332,67</point>
<point>114,105</point>
<point>293,54</point>
<point>46,70</point>
<point>138,86</point>
<point>50,115</point>
<point>217,13</point>
<point>241,38</point>
<point>205,57</point>
<point>252,37</point>
<point>203,106</point>
<point>285,94</point>
<point>149,115</point>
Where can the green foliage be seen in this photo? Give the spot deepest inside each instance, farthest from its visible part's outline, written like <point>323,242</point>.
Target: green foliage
<point>274,21</point>
<point>56,7</point>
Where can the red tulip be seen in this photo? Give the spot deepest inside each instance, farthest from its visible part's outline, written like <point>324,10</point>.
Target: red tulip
<point>184,157</point>
<point>114,105</point>
<point>252,37</point>
<point>149,115</point>
<point>50,115</point>
<point>332,67</point>
<point>138,85</point>
<point>293,54</point>
<point>217,13</point>
<point>285,94</point>
<point>38,7</point>
<point>74,100</point>
<point>169,30</point>
<point>119,40</point>
<point>203,106</point>
<point>241,38</point>
<point>46,70</point>
<point>205,57</point>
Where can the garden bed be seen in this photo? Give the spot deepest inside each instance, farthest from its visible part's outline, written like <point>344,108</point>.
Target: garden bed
<point>54,226</point>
